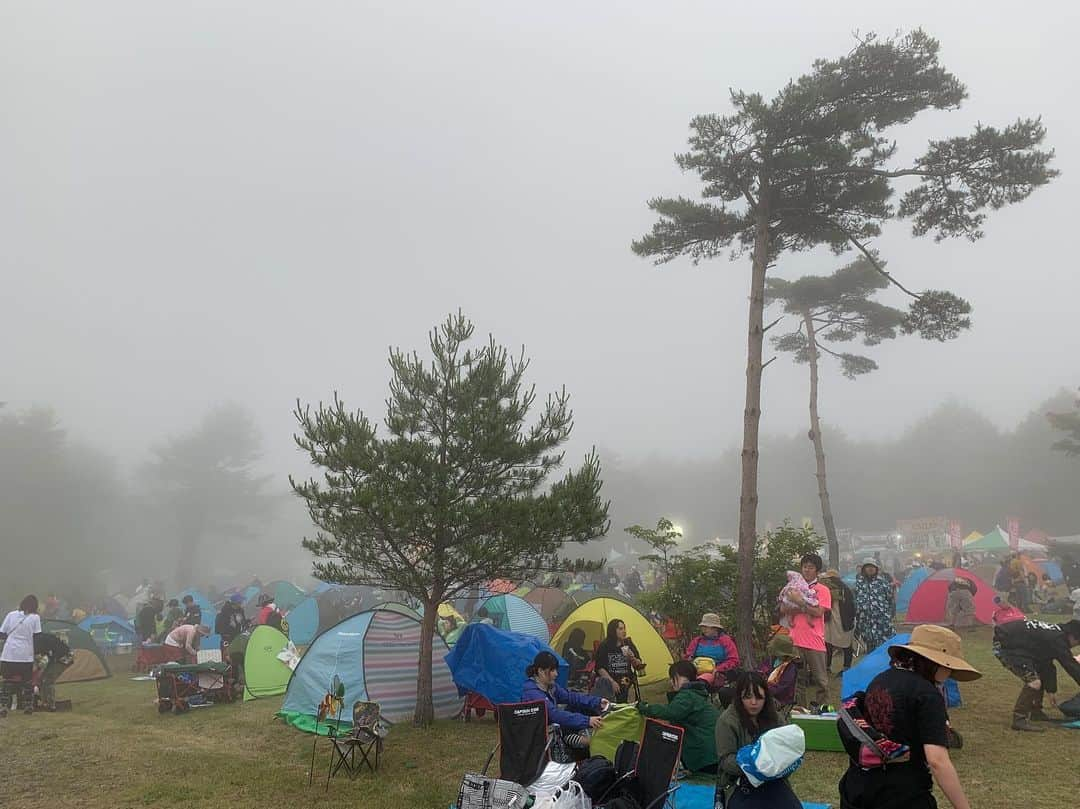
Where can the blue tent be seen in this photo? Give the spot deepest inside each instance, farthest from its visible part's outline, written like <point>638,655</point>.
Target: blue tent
<point>303,621</point>
<point>492,662</point>
<point>858,677</point>
<point>1053,570</point>
<point>515,614</point>
<point>376,655</point>
<point>910,585</point>
<point>109,632</point>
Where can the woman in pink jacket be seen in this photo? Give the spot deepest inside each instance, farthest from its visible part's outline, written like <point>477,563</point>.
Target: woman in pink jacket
<point>716,645</point>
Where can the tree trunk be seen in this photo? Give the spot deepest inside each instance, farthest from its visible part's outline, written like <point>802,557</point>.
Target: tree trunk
<point>748,500</point>
<point>425,707</point>
<point>819,447</point>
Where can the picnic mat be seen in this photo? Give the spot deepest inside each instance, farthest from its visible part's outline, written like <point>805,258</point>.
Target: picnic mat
<point>700,796</point>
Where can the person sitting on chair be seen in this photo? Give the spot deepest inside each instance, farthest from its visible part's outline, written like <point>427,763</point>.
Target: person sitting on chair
<point>579,717</point>
<point>689,708</point>
<point>716,646</point>
<point>185,640</point>
<point>574,653</point>
<point>617,663</point>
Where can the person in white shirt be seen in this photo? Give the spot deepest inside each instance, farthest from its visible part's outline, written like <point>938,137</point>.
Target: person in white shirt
<point>17,657</point>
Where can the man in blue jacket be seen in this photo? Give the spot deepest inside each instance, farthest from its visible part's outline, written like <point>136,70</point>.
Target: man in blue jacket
<point>581,712</point>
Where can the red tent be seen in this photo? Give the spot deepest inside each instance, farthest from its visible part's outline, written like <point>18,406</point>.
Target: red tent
<point>928,601</point>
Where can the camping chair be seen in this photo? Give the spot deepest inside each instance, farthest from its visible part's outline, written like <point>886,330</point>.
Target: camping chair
<point>365,737</point>
<point>524,744</point>
<point>652,780</point>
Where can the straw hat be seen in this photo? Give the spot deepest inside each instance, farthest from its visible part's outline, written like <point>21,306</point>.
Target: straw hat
<point>942,646</point>
<point>711,619</point>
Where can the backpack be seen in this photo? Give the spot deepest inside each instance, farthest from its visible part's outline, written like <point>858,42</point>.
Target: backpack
<point>596,776</point>
<point>625,758</point>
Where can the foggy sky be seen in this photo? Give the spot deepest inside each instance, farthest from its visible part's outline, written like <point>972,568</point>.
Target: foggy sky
<point>210,201</point>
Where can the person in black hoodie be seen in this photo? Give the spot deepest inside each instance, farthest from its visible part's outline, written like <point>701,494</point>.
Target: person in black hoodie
<point>1029,649</point>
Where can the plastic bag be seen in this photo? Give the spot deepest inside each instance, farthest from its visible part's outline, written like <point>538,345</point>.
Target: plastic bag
<point>480,792</point>
<point>572,796</point>
<point>553,777</point>
<point>776,754</point>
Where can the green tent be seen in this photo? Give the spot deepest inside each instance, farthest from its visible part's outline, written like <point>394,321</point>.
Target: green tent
<point>996,541</point>
<point>265,675</point>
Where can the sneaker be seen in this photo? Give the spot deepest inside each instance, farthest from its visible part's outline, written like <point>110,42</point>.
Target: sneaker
<point>1022,723</point>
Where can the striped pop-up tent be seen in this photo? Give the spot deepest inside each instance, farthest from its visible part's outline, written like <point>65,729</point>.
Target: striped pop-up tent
<point>376,654</point>
<point>515,614</point>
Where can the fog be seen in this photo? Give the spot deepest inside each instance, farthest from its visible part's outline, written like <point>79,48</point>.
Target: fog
<point>248,204</point>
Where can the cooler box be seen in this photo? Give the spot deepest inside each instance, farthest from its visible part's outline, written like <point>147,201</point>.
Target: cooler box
<point>820,731</point>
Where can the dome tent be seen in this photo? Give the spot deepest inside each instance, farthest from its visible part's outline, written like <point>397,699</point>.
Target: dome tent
<point>376,654</point>
<point>110,632</point>
<point>910,585</point>
<point>928,601</point>
<point>265,675</point>
<point>89,662</point>
<point>593,616</point>
<point>546,600</point>
<point>858,677</point>
<point>515,614</point>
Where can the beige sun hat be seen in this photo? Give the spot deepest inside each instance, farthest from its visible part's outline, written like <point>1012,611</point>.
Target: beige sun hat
<point>942,646</point>
<point>711,619</point>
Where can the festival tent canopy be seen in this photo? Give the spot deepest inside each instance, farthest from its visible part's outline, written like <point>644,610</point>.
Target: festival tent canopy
<point>972,537</point>
<point>265,674</point>
<point>858,677</point>
<point>995,541</point>
<point>593,616</point>
<point>515,614</point>
<point>910,585</point>
<point>375,655</point>
<point>492,662</point>
<point>928,601</point>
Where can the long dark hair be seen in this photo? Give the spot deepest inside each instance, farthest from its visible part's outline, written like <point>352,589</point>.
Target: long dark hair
<point>612,638</point>
<point>29,605</point>
<point>544,661</point>
<point>754,682</point>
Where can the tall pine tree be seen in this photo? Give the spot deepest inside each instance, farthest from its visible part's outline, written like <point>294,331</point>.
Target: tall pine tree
<point>817,165</point>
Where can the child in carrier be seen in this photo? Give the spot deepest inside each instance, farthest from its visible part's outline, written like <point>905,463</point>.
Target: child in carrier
<point>795,583</point>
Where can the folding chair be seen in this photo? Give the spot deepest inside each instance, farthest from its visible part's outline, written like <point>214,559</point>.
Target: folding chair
<point>365,738</point>
<point>524,744</point>
<point>652,780</point>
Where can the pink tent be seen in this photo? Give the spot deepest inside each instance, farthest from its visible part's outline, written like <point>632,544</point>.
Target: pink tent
<point>928,601</point>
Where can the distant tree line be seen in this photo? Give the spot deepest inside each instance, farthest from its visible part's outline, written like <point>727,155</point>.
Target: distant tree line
<point>954,462</point>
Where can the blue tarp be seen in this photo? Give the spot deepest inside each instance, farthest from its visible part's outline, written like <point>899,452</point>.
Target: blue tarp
<point>492,662</point>
<point>910,585</point>
<point>700,796</point>
<point>858,677</point>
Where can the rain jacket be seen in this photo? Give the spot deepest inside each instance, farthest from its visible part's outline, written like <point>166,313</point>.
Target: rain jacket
<point>690,709</point>
<point>570,719</point>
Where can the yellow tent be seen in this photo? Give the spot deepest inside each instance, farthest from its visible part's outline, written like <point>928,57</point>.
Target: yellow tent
<point>593,616</point>
<point>446,610</point>
<point>972,537</point>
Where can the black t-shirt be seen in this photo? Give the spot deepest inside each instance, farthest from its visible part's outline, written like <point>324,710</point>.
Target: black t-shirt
<point>193,615</point>
<point>146,621</point>
<point>907,708</point>
<point>610,658</point>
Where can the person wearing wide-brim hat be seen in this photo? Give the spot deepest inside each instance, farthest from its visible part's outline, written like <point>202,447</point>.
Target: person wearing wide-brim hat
<point>781,671</point>
<point>713,651</point>
<point>905,703</point>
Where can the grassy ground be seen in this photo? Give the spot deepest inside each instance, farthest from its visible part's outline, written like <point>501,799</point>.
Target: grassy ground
<point>114,750</point>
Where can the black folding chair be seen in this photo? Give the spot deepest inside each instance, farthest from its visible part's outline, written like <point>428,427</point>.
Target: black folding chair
<point>524,745</point>
<point>365,740</point>
<point>652,781</point>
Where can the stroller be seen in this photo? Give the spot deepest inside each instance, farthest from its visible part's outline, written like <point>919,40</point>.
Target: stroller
<point>181,686</point>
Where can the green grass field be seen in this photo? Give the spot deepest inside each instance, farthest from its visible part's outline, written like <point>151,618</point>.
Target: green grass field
<point>114,750</point>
